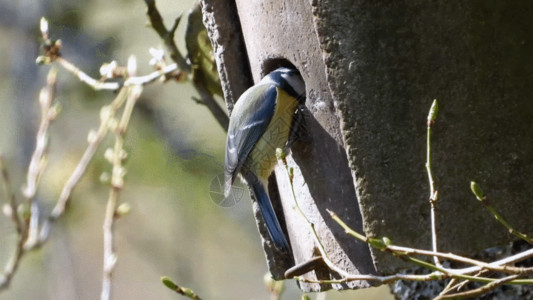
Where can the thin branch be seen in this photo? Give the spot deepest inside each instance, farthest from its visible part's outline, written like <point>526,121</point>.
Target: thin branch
<point>454,284</point>
<point>479,291</point>
<point>10,195</point>
<point>38,158</point>
<point>167,36</point>
<point>499,218</point>
<point>433,193</point>
<point>12,266</point>
<point>95,137</point>
<point>281,159</point>
<point>26,231</point>
<point>439,274</point>
<point>107,114</point>
<point>187,292</point>
<point>498,266</point>
<point>372,278</point>
<point>83,77</point>
<point>37,162</point>
<point>53,54</point>
<point>146,79</point>
<point>117,183</point>
<point>457,285</point>
<point>113,86</point>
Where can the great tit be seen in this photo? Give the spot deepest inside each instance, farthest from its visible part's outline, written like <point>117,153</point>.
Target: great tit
<point>263,119</point>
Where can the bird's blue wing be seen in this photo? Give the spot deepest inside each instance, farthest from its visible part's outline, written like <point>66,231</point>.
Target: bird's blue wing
<point>250,117</point>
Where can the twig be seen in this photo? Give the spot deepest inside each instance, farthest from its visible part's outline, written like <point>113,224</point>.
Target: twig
<point>440,272</point>
<point>479,291</point>
<point>453,284</point>
<point>433,193</point>
<point>117,183</point>
<point>83,77</point>
<point>27,231</point>
<point>128,91</point>
<point>14,262</point>
<point>10,195</point>
<point>439,275</point>
<point>187,292</point>
<point>52,54</point>
<point>146,79</point>
<point>106,115</point>
<point>476,189</point>
<point>113,86</point>
<point>281,158</point>
<point>37,161</point>
<point>456,284</point>
<point>167,36</point>
<point>497,266</point>
<point>373,278</point>
<point>384,244</point>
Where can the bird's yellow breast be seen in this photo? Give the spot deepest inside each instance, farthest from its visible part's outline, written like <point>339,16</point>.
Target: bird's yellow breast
<point>263,155</point>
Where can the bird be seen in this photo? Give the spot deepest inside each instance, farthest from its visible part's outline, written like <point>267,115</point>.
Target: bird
<point>263,119</point>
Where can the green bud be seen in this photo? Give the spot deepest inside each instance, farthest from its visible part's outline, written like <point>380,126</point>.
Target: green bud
<point>435,276</point>
<point>305,297</point>
<point>117,181</point>
<point>169,283</point>
<point>386,241</point>
<point>123,209</point>
<point>477,191</point>
<point>54,111</point>
<point>432,116</point>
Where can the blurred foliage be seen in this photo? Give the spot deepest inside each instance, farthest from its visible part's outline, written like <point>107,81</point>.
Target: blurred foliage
<point>175,150</point>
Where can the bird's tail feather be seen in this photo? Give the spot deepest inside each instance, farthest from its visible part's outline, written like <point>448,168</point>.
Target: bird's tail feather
<point>267,211</point>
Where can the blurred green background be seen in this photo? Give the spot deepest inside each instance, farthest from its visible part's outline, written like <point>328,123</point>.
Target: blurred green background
<point>175,151</point>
